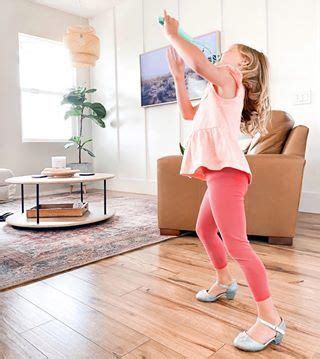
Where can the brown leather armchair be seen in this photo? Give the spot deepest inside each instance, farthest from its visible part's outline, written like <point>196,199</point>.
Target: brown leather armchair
<point>277,162</point>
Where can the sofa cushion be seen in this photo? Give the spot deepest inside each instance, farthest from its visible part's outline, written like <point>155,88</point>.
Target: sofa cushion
<point>278,128</point>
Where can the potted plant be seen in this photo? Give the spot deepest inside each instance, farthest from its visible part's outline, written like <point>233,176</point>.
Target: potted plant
<point>81,108</point>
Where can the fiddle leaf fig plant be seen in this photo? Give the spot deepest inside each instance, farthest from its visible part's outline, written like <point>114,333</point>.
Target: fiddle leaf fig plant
<point>81,108</point>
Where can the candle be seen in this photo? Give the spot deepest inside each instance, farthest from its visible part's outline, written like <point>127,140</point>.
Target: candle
<point>59,161</point>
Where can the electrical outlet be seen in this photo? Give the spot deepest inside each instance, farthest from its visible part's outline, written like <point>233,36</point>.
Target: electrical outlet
<point>302,97</point>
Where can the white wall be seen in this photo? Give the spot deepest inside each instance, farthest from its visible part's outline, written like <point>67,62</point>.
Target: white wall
<point>287,31</point>
<point>24,16</point>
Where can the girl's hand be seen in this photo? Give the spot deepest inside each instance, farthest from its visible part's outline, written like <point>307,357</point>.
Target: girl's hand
<point>176,63</point>
<point>170,25</point>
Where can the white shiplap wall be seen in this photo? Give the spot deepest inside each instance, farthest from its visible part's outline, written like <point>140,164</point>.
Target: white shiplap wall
<point>135,137</point>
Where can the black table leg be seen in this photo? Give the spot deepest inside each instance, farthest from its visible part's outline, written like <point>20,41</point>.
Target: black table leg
<point>105,196</point>
<point>22,198</point>
<point>38,204</point>
<point>81,191</point>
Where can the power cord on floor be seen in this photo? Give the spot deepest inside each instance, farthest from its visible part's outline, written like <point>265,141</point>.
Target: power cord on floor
<point>4,216</point>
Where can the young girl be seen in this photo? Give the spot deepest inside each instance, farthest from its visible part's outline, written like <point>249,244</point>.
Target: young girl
<point>235,99</point>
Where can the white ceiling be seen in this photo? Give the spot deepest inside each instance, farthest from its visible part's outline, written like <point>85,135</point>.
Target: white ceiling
<point>83,8</point>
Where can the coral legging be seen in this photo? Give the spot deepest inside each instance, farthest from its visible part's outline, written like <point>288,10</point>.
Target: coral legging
<point>222,209</point>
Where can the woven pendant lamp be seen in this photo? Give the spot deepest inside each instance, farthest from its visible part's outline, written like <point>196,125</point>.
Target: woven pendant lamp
<point>83,44</point>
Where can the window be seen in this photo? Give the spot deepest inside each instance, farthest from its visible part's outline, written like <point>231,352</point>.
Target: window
<point>46,73</point>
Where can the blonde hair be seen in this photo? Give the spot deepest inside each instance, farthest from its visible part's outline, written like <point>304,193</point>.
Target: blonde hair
<point>256,110</point>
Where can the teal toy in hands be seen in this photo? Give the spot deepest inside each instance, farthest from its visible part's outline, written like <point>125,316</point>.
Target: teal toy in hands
<point>207,51</point>
<point>180,31</point>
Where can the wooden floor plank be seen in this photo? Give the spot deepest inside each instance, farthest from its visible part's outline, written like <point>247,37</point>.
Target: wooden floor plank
<point>116,280</point>
<point>14,346</point>
<point>104,331</point>
<point>152,349</point>
<point>19,313</point>
<point>56,341</point>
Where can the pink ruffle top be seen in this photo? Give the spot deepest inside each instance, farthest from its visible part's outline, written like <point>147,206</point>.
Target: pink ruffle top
<point>213,142</point>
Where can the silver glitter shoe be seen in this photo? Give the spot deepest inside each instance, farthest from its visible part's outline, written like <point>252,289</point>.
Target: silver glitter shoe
<point>204,295</point>
<point>244,342</point>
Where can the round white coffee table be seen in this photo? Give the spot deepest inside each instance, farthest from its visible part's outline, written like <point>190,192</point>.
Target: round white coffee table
<point>94,214</point>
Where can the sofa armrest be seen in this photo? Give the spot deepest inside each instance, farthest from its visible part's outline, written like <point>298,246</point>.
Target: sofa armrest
<point>179,197</point>
<point>273,198</point>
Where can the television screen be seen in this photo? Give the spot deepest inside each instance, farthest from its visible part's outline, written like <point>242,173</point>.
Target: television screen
<point>157,84</point>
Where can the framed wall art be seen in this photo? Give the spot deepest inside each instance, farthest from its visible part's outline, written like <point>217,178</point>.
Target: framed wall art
<point>157,84</point>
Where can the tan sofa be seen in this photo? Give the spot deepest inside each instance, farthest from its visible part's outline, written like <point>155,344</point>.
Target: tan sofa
<point>277,162</point>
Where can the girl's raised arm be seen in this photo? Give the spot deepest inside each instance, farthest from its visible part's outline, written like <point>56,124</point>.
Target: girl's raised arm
<point>196,59</point>
<point>176,66</point>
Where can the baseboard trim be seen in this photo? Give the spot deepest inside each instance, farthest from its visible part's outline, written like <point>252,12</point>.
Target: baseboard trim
<point>132,185</point>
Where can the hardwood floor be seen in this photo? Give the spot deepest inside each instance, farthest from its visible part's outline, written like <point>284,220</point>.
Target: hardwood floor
<point>141,304</point>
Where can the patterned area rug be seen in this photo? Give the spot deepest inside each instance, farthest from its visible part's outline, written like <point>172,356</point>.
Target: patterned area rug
<point>29,254</point>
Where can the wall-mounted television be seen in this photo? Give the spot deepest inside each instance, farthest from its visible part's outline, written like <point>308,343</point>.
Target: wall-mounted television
<point>157,84</point>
